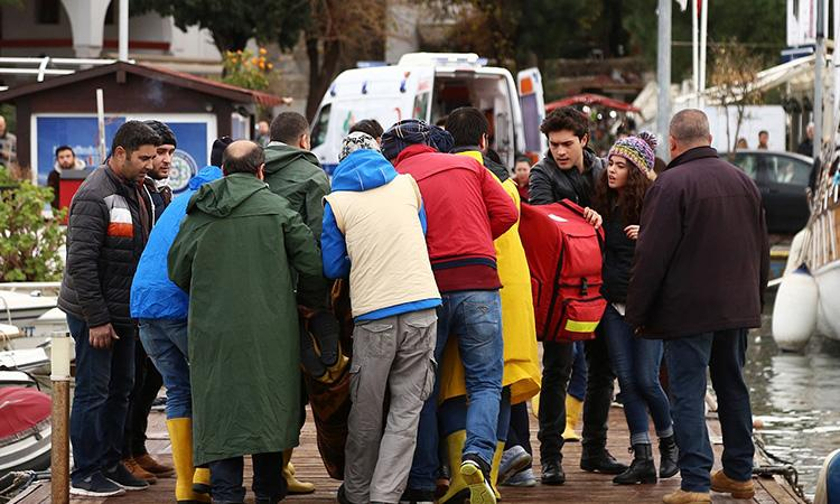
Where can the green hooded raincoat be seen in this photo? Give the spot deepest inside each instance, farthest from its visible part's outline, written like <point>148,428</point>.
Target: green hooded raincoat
<point>296,175</point>
<point>234,255</point>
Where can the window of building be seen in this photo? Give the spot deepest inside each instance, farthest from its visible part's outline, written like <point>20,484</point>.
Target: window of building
<point>48,12</point>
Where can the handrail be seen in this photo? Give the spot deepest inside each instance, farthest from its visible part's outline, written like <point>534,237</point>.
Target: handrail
<point>41,64</point>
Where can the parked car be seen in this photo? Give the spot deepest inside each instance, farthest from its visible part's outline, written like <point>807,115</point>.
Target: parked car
<point>782,178</point>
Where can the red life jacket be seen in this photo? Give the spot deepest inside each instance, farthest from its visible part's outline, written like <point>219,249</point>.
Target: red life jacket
<point>564,255</point>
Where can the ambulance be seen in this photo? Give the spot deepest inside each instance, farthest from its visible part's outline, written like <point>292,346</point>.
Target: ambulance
<point>429,86</point>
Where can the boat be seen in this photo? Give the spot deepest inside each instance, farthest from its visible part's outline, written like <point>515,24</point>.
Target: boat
<point>828,482</point>
<point>25,431</point>
<point>30,360</point>
<point>30,307</point>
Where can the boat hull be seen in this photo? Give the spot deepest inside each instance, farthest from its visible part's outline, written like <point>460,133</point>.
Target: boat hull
<point>828,315</point>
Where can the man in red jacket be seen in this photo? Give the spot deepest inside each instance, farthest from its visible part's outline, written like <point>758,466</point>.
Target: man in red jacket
<point>466,210</point>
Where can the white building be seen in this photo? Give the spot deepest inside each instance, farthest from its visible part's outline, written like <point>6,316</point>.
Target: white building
<point>89,29</point>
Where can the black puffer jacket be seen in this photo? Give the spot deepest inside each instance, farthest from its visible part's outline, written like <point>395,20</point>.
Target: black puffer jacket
<point>105,239</point>
<point>550,184</point>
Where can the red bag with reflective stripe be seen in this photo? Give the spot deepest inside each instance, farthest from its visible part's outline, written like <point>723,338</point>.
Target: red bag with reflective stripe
<point>565,257</point>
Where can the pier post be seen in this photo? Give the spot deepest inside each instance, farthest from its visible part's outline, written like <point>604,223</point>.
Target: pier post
<point>60,457</point>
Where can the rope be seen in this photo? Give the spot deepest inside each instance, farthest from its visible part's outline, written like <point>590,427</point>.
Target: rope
<point>12,483</point>
<point>785,469</point>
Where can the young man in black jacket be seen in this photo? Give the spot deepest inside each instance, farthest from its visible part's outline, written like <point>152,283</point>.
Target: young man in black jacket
<point>147,379</point>
<point>107,230</point>
<point>570,170</point>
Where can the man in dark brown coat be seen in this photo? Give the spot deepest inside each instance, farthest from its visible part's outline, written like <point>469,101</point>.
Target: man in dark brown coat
<point>700,268</point>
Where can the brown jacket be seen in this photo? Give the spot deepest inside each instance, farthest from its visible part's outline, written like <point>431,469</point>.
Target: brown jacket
<point>702,258</point>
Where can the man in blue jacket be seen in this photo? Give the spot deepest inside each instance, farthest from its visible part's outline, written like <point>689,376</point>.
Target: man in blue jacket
<point>161,308</point>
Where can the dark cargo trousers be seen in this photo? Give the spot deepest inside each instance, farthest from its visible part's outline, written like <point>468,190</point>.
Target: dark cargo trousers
<point>392,357</point>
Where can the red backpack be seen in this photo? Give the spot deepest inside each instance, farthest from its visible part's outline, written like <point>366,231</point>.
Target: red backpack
<point>564,255</point>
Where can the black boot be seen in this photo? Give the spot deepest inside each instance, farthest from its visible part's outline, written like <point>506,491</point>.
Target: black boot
<point>552,473</point>
<point>668,453</point>
<point>641,470</point>
<point>598,459</point>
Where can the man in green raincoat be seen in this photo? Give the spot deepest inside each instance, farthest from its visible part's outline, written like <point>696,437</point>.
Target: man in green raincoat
<point>235,254</point>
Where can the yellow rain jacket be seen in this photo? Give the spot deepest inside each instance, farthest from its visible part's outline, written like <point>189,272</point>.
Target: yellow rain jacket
<point>522,370</point>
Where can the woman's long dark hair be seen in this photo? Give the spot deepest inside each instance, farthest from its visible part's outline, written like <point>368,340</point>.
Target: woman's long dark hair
<point>629,201</point>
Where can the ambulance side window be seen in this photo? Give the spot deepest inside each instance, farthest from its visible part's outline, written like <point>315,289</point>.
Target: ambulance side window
<point>319,129</point>
<point>421,106</point>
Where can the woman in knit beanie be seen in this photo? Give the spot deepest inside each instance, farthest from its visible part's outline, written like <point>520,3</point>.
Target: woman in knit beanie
<point>618,198</point>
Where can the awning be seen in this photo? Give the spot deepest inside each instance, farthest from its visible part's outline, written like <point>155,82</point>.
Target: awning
<point>592,99</point>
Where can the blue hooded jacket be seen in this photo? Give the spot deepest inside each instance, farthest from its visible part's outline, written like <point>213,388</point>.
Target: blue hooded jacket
<point>153,295</point>
<point>362,170</point>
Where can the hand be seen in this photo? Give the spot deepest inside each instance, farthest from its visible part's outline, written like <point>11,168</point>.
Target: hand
<point>592,217</point>
<point>632,232</point>
<point>103,336</point>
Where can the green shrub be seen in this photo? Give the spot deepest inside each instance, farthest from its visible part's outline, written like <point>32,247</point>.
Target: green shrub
<point>29,243</point>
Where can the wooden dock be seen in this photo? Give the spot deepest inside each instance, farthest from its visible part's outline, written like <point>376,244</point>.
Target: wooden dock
<point>580,487</point>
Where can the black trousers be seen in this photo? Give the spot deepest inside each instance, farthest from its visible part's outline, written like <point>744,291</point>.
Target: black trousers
<point>599,393</point>
<point>147,384</point>
<point>557,369</point>
<point>269,484</point>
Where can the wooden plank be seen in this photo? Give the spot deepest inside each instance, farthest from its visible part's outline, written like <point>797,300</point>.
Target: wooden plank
<point>581,487</point>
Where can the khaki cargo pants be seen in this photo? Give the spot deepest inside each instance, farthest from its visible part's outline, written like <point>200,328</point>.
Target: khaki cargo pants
<point>392,357</point>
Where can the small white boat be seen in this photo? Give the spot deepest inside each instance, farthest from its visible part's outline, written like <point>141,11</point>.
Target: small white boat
<point>31,360</point>
<point>16,379</point>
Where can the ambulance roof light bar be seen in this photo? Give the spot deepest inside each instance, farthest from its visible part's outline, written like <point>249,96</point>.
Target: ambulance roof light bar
<point>469,60</point>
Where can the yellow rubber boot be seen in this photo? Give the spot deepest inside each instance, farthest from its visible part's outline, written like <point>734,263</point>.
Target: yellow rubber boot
<point>180,434</point>
<point>201,483</point>
<point>494,469</point>
<point>574,407</point>
<point>457,485</point>
<point>294,486</point>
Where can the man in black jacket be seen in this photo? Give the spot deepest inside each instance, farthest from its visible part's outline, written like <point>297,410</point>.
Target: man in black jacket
<point>570,170</point>
<point>147,379</point>
<point>701,266</point>
<point>106,233</point>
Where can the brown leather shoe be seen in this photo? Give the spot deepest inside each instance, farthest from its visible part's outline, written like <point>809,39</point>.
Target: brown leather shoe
<point>138,472</point>
<point>739,489</point>
<point>153,466</point>
<point>683,497</point>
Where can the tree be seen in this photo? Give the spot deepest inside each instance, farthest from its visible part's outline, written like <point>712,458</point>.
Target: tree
<point>521,33</point>
<point>758,24</point>
<point>234,22</point>
<point>29,244</point>
<point>733,80</point>
<point>337,34</point>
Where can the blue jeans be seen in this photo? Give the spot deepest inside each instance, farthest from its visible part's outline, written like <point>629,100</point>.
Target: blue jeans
<point>577,383</point>
<point>104,379</point>
<point>723,353</point>
<point>165,340</point>
<point>475,318</point>
<point>636,362</point>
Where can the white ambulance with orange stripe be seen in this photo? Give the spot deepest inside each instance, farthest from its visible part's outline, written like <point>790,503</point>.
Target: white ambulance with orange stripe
<point>429,86</point>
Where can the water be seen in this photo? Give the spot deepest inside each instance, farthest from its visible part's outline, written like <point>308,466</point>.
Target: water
<point>797,397</point>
